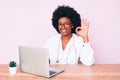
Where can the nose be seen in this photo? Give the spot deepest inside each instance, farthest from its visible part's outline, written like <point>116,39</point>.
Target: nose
<point>63,26</point>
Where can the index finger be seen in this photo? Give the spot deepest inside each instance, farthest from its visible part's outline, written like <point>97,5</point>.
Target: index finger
<point>78,28</point>
<point>85,23</point>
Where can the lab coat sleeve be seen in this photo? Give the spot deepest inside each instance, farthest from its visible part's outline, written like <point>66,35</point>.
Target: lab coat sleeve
<point>87,54</point>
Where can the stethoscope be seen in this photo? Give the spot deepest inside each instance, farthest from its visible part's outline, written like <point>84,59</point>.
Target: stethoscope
<point>72,46</point>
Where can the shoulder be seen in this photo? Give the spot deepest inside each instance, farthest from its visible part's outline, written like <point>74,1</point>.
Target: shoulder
<point>78,38</point>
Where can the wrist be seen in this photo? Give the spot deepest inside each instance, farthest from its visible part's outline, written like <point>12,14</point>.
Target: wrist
<point>86,39</point>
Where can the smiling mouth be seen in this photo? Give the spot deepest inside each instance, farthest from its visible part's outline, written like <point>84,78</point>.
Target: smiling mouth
<point>63,31</point>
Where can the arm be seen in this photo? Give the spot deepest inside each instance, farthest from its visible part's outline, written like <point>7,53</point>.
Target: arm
<point>87,54</point>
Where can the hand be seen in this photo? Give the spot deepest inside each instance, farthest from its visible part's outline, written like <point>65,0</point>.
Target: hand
<point>83,30</point>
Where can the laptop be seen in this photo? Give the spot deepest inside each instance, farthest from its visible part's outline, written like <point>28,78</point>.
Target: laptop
<point>35,60</point>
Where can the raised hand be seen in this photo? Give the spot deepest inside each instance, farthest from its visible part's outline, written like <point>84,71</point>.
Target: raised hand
<point>83,30</point>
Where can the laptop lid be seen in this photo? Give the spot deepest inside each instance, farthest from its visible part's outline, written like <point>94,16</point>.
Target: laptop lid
<point>35,60</point>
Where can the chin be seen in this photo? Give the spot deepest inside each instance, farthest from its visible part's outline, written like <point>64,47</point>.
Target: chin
<point>64,34</point>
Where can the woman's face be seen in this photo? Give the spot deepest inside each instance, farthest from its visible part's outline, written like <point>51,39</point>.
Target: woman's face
<point>65,26</point>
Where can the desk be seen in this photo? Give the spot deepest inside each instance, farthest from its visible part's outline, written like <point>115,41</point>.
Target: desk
<point>72,72</point>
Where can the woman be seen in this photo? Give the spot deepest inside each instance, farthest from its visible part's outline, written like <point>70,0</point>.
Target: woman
<point>72,44</point>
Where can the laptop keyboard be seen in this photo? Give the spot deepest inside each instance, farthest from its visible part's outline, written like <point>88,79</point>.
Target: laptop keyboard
<point>52,72</point>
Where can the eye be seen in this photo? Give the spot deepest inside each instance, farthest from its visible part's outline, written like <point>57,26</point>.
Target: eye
<point>67,24</point>
<point>60,24</point>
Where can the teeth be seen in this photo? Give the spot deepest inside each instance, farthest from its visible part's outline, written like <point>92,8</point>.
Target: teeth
<point>63,30</point>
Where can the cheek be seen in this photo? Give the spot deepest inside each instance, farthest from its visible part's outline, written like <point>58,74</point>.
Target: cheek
<point>70,29</point>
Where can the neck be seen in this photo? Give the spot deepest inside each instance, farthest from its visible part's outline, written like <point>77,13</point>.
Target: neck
<point>67,37</point>
<point>65,40</point>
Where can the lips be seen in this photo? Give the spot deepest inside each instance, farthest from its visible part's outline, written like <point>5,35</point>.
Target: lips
<point>63,31</point>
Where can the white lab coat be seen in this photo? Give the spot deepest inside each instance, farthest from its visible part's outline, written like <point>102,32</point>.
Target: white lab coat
<point>75,49</point>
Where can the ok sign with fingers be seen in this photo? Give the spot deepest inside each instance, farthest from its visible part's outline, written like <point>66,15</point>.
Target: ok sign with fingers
<point>83,30</point>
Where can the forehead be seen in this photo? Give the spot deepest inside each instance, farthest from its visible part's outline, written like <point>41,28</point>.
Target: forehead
<point>64,19</point>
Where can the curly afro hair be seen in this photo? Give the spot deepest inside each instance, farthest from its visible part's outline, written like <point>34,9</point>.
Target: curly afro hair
<point>66,11</point>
